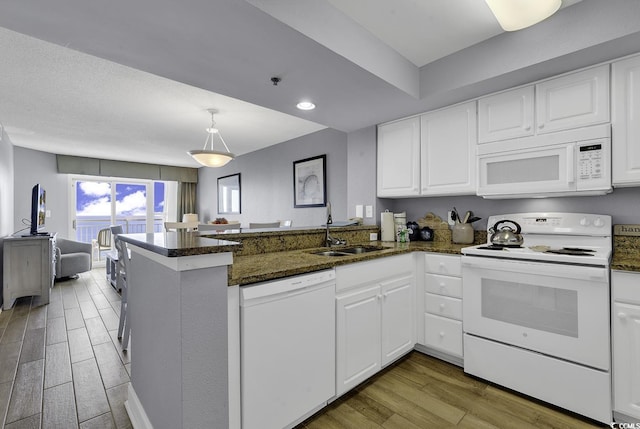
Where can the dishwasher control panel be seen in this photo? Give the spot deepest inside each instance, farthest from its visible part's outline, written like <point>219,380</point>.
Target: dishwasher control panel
<point>283,286</point>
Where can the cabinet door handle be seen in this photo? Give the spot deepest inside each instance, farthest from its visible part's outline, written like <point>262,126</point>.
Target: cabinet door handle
<point>541,126</point>
<point>441,334</point>
<point>622,315</point>
<point>441,306</point>
<point>379,297</point>
<point>527,128</point>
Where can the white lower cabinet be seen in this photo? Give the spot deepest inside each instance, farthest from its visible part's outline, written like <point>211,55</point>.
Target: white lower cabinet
<point>397,304</point>
<point>374,317</point>
<point>444,334</point>
<point>625,326</point>
<point>441,313</point>
<point>358,341</point>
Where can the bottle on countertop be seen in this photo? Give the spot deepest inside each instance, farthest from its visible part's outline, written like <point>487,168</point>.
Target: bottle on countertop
<point>400,221</point>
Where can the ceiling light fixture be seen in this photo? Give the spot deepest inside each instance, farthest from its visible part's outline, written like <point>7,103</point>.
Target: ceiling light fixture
<point>515,15</point>
<point>305,105</point>
<point>212,158</point>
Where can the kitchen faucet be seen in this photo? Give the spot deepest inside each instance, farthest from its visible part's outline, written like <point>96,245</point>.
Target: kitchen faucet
<point>330,241</point>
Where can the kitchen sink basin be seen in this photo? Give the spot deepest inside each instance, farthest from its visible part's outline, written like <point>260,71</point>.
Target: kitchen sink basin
<point>346,251</point>
<point>330,253</point>
<point>360,249</point>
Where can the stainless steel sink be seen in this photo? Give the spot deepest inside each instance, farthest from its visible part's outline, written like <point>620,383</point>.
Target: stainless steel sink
<point>330,253</point>
<point>346,251</point>
<point>360,249</point>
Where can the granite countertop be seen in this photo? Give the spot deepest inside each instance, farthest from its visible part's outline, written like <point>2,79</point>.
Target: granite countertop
<point>181,243</point>
<point>626,253</point>
<point>270,266</point>
<point>273,265</point>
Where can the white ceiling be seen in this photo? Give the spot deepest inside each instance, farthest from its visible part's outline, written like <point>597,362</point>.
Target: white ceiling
<point>72,95</point>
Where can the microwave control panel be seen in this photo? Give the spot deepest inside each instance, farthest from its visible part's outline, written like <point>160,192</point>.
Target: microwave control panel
<point>590,162</point>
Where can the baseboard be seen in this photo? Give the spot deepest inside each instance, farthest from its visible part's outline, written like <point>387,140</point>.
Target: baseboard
<point>138,417</point>
<point>624,418</point>
<point>458,361</point>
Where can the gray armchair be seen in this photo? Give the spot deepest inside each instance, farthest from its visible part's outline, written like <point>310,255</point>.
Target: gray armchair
<point>72,257</point>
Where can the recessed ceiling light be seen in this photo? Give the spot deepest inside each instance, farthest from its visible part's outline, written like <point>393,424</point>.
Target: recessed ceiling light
<point>305,105</point>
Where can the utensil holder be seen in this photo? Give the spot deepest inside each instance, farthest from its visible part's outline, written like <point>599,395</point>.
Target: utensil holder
<point>462,233</point>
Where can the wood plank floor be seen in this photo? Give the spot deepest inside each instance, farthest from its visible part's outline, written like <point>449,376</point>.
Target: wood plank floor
<point>421,392</point>
<point>61,365</point>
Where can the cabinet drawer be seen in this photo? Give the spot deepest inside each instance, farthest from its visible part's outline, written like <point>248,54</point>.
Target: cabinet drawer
<point>625,286</point>
<point>443,306</point>
<point>443,264</point>
<point>365,273</point>
<point>443,334</point>
<point>443,285</point>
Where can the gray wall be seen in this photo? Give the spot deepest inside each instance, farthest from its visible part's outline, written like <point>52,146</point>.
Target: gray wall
<point>267,181</point>
<point>6,195</point>
<point>623,205</point>
<point>31,167</point>
<point>361,173</point>
<point>6,184</point>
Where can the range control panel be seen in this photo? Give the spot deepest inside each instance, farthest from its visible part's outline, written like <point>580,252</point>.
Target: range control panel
<point>559,223</point>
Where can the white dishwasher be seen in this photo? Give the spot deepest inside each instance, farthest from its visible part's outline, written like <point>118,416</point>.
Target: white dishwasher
<point>287,349</point>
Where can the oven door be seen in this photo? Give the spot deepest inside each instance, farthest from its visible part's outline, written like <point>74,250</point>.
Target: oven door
<point>554,309</point>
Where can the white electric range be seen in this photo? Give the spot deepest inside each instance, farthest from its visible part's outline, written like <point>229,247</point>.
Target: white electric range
<point>536,318</point>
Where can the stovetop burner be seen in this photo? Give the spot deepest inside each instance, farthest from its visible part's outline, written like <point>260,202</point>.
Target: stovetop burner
<point>573,251</point>
<point>577,249</point>
<point>496,247</point>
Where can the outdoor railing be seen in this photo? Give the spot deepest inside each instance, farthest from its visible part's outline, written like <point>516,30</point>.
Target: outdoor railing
<point>87,227</point>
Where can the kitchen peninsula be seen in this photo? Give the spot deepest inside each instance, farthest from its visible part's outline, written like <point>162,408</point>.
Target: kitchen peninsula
<point>184,359</point>
<point>178,312</point>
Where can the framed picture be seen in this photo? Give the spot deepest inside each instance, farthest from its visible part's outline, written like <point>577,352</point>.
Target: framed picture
<point>229,194</point>
<point>310,182</point>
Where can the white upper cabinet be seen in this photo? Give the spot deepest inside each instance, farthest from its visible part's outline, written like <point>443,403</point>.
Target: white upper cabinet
<point>399,158</point>
<point>506,115</point>
<point>626,122</point>
<point>572,101</point>
<point>433,154</point>
<point>447,151</point>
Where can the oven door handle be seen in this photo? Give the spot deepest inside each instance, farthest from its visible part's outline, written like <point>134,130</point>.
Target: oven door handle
<point>595,274</point>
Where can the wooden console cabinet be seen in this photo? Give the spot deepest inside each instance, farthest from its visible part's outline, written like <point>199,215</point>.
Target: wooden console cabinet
<point>29,268</point>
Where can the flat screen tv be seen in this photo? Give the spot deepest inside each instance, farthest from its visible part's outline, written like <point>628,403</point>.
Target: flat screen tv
<point>38,209</point>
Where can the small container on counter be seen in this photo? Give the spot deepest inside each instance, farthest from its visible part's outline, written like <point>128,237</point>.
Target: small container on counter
<point>426,234</point>
<point>462,233</point>
<point>387,227</point>
<point>414,231</point>
<point>400,221</point>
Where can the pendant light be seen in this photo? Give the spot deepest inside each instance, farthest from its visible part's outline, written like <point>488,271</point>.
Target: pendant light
<point>212,158</point>
<point>515,15</point>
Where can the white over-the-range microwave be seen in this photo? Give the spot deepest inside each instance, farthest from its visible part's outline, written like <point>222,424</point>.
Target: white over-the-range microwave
<point>573,162</point>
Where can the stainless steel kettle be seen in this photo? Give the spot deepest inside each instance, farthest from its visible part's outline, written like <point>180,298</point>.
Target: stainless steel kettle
<point>506,236</point>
